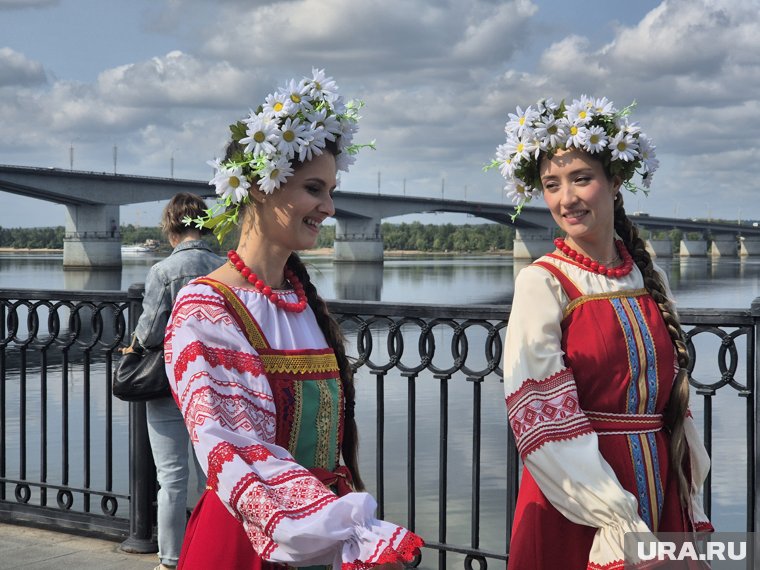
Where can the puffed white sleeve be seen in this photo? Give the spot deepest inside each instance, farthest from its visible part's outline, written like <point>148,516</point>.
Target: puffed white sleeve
<point>288,514</point>
<point>554,437</point>
<point>699,459</point>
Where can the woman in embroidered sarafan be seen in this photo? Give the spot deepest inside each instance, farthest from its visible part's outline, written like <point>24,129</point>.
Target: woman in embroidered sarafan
<point>595,365</point>
<point>258,366</point>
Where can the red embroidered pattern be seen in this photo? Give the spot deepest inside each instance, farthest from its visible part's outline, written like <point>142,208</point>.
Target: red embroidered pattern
<point>215,356</point>
<point>232,411</point>
<point>546,410</point>
<point>201,307</point>
<point>614,565</point>
<point>265,505</point>
<point>225,451</point>
<point>204,374</point>
<point>407,548</point>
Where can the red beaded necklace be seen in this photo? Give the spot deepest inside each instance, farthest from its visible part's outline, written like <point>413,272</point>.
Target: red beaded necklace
<point>591,265</point>
<point>266,290</point>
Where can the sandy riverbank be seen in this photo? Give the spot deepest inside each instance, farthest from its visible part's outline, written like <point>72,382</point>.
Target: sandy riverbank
<point>29,250</point>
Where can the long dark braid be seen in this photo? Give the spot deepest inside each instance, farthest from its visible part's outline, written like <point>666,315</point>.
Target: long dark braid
<point>676,410</point>
<point>335,339</point>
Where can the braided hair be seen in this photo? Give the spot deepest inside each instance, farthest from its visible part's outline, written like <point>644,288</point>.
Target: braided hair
<point>334,337</point>
<point>677,408</point>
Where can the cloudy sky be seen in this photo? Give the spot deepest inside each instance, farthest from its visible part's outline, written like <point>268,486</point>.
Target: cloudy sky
<point>163,78</point>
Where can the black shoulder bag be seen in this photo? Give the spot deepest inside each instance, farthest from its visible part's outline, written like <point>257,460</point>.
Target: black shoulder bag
<point>141,375</point>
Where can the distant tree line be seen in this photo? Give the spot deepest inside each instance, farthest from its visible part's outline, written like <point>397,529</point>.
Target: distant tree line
<point>36,238</point>
<point>404,237</point>
<point>437,238</point>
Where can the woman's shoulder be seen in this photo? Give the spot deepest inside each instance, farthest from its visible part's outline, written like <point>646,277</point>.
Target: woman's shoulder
<point>199,288</point>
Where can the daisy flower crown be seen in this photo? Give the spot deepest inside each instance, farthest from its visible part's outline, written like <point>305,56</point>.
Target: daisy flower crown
<point>593,125</point>
<point>295,123</point>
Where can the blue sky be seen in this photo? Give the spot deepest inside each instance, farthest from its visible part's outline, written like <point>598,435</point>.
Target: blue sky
<point>165,77</point>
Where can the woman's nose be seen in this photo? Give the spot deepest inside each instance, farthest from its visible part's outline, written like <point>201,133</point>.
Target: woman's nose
<point>328,206</point>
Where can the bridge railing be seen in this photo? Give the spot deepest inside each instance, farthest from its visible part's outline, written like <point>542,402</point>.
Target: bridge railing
<point>436,451</point>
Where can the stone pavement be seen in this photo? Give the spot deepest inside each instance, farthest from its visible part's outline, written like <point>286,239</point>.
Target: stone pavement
<point>35,549</point>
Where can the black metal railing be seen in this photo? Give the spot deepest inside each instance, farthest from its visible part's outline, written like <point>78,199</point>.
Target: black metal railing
<point>436,451</point>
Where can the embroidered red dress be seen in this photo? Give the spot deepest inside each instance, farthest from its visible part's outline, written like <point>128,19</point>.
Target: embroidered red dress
<point>588,371</point>
<point>261,395</point>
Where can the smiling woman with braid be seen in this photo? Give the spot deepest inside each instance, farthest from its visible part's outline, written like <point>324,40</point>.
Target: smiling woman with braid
<point>257,364</point>
<point>595,366</point>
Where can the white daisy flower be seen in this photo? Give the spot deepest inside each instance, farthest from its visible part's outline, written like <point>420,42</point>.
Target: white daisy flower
<point>229,182</point>
<point>648,158</point>
<point>552,132</point>
<point>297,97</point>
<point>623,147</point>
<point>596,139</point>
<point>262,135</point>
<point>322,121</point>
<point>547,106</point>
<point>320,86</point>
<point>313,147</point>
<point>517,148</point>
<point>521,121</point>
<point>274,174</point>
<point>519,192</point>
<point>579,113</point>
<point>276,104</point>
<point>576,136</point>
<point>603,107</point>
<point>504,158</point>
<point>292,134</point>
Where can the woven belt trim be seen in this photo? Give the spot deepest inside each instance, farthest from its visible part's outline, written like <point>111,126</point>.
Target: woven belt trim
<point>605,423</point>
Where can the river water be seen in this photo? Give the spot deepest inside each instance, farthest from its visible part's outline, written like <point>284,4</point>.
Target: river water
<point>453,280</point>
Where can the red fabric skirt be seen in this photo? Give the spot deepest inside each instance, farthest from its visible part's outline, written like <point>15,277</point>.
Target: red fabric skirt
<point>216,540</point>
<point>544,539</point>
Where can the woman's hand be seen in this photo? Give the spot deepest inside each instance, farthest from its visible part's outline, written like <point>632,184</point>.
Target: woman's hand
<point>126,349</point>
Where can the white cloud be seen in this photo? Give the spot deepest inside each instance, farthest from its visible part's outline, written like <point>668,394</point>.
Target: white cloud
<point>176,79</point>
<point>16,69</point>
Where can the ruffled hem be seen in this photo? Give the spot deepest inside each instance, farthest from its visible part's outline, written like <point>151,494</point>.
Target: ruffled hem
<point>405,550</point>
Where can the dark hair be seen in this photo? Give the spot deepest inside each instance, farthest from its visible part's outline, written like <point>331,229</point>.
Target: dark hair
<point>678,403</point>
<point>334,337</point>
<point>182,205</point>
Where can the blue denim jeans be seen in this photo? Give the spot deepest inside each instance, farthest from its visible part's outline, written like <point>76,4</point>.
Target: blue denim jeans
<point>171,454</point>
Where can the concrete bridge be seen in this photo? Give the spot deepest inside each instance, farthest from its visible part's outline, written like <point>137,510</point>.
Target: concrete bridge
<point>92,202</point>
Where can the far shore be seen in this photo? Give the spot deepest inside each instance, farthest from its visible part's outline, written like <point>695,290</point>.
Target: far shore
<point>322,251</point>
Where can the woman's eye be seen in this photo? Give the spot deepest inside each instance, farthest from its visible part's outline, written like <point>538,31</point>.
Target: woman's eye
<point>313,189</point>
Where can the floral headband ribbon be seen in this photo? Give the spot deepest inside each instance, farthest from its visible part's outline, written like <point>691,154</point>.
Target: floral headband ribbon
<point>593,125</point>
<point>294,123</point>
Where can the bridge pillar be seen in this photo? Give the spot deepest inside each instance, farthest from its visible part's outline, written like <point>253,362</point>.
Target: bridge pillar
<point>749,245</point>
<point>693,248</point>
<point>660,247</point>
<point>532,243</point>
<point>92,236</point>
<point>358,239</point>
<point>724,245</point>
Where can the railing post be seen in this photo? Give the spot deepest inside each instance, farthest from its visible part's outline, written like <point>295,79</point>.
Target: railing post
<point>141,475</point>
<point>754,462</point>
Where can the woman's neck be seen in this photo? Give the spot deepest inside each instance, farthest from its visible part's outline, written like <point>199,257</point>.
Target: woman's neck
<point>603,251</point>
<point>266,262</point>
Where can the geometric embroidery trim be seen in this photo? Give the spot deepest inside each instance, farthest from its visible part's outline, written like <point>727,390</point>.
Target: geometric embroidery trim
<point>546,410</point>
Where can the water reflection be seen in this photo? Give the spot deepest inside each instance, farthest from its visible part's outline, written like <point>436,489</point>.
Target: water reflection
<point>105,279</point>
<point>358,281</point>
